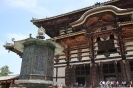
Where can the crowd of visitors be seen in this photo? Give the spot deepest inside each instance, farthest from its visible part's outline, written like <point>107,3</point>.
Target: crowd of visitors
<point>103,84</point>
<point>61,85</point>
<point>111,84</point>
<point>76,84</point>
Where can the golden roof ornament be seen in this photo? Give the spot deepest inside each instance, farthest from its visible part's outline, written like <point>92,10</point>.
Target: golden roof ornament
<point>41,33</point>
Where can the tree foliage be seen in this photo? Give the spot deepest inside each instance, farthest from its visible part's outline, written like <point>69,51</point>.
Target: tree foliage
<point>5,71</point>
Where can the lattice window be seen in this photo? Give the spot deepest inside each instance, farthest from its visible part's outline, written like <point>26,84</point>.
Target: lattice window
<point>118,67</point>
<point>131,65</point>
<point>108,68</point>
<point>82,70</point>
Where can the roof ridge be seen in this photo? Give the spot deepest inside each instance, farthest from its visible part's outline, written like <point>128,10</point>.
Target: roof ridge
<point>71,12</point>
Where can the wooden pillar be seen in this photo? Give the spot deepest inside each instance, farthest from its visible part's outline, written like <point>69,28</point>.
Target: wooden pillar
<point>116,71</point>
<point>68,76</point>
<point>101,78</point>
<point>56,73</point>
<point>121,46</point>
<point>6,84</point>
<point>94,76</point>
<point>125,68</point>
<point>73,78</point>
<point>93,71</point>
<point>68,68</point>
<point>13,81</point>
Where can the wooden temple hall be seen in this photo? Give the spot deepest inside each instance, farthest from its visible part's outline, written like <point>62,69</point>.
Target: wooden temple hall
<point>97,41</point>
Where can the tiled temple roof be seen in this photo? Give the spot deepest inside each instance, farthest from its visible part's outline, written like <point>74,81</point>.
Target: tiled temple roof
<point>9,77</point>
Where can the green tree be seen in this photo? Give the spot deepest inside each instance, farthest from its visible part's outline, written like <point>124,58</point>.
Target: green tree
<point>5,71</point>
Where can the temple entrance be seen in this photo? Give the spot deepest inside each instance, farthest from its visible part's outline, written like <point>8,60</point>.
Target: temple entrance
<point>110,78</point>
<point>81,81</point>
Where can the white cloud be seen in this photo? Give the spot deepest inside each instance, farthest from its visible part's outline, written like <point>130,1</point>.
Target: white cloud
<point>17,36</point>
<point>9,37</point>
<point>22,3</point>
<point>80,5</point>
<point>30,5</point>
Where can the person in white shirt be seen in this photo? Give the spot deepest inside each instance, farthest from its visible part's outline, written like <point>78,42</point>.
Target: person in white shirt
<point>103,83</point>
<point>131,83</point>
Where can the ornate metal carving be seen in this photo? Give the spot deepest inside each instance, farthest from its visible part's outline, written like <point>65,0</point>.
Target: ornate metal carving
<point>41,33</point>
<point>40,61</point>
<point>30,35</point>
<point>37,58</point>
<point>13,39</point>
<point>26,61</point>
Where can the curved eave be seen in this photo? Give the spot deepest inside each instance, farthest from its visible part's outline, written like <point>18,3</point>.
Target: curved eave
<point>72,12</point>
<point>11,48</point>
<point>9,78</point>
<point>101,9</point>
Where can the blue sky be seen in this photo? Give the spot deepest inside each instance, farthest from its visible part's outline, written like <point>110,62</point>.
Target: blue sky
<point>15,16</point>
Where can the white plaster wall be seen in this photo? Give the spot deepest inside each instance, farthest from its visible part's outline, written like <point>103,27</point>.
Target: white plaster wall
<point>106,60</point>
<point>115,41</point>
<point>61,80</point>
<point>54,72</point>
<point>60,65</point>
<point>129,48</point>
<point>114,54</point>
<point>73,51</point>
<point>74,59</point>
<point>100,56</point>
<point>74,55</point>
<point>128,43</point>
<point>62,57</point>
<point>116,45</point>
<point>61,72</point>
<point>83,54</point>
<point>79,63</point>
<point>62,61</point>
<point>96,48</point>
<point>54,80</point>
<point>85,58</point>
<point>85,49</point>
<point>130,53</point>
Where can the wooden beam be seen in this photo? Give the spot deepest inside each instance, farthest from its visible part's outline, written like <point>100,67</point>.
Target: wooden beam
<point>59,77</point>
<point>129,50</point>
<point>95,60</point>
<point>128,45</point>
<point>56,74</point>
<point>59,66</point>
<point>80,52</point>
